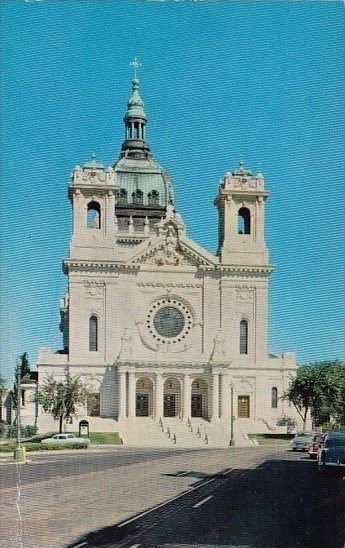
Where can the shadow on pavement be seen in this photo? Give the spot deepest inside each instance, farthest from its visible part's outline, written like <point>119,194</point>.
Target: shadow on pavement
<point>280,504</point>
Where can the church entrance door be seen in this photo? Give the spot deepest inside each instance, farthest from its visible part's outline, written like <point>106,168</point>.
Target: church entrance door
<point>142,405</point>
<point>169,405</point>
<point>196,405</point>
<point>243,407</point>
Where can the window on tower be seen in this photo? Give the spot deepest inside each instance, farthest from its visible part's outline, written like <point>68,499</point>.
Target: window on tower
<point>243,337</point>
<point>243,221</point>
<point>274,398</point>
<point>93,334</point>
<point>153,198</point>
<point>138,197</point>
<point>122,197</point>
<point>93,215</point>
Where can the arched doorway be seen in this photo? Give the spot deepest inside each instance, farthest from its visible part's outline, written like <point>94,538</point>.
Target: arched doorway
<point>172,398</point>
<point>199,398</point>
<point>144,397</point>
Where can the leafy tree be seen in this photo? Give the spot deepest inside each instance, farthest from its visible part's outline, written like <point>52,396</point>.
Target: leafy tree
<point>3,390</point>
<point>319,388</point>
<point>23,369</point>
<point>61,398</point>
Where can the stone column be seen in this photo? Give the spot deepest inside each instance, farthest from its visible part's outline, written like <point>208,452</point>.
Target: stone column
<point>225,396</point>
<point>215,396</point>
<point>187,397</point>
<point>122,394</point>
<point>159,396</point>
<point>131,394</point>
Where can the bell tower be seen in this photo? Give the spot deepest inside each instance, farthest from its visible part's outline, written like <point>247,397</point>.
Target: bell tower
<point>241,208</point>
<point>92,194</point>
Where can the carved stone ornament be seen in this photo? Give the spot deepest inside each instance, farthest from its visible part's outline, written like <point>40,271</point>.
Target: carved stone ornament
<point>94,177</point>
<point>169,252</point>
<point>126,344</point>
<point>218,347</point>
<point>94,289</point>
<point>244,293</point>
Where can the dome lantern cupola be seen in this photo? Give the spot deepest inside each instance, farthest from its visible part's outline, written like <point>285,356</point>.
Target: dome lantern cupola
<point>135,121</point>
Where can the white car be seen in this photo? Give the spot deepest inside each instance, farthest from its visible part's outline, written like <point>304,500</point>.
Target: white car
<point>66,438</point>
<point>301,441</point>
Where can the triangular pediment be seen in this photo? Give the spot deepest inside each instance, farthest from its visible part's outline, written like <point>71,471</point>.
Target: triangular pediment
<point>172,248</point>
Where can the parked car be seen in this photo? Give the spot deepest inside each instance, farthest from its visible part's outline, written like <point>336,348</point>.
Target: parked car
<point>315,445</point>
<point>66,438</point>
<point>301,441</point>
<point>332,452</point>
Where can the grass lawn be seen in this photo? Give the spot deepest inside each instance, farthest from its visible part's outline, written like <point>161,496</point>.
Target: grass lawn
<point>105,438</point>
<point>272,439</point>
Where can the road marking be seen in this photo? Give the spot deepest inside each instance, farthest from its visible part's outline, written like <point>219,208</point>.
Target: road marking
<point>226,472</point>
<point>202,501</point>
<point>165,503</point>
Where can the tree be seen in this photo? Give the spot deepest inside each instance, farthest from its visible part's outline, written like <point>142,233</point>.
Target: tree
<point>62,398</point>
<point>23,369</point>
<point>319,388</point>
<point>3,391</point>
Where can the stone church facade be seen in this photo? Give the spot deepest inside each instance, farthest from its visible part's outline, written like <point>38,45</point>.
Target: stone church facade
<point>164,331</point>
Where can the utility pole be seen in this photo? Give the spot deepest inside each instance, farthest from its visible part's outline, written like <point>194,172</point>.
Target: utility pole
<point>232,439</point>
<point>19,452</point>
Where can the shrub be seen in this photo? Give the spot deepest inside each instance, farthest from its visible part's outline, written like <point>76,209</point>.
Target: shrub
<point>25,431</point>
<point>10,447</point>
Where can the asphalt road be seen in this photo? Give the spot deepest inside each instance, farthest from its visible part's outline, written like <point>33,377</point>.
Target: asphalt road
<point>257,498</point>
<point>65,464</point>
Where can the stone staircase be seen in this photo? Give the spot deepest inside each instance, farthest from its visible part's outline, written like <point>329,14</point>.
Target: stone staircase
<point>170,432</point>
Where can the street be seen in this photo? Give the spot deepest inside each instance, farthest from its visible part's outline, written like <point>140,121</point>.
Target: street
<point>253,497</point>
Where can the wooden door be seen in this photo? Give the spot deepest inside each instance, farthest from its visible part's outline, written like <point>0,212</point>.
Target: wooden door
<point>243,407</point>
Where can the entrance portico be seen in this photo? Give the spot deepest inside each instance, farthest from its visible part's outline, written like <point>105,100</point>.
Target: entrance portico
<point>159,394</point>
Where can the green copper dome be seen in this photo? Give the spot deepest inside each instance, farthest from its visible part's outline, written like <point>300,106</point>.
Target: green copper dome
<point>141,181</point>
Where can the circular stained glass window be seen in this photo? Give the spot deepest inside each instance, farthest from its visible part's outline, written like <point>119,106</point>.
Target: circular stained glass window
<point>169,321</point>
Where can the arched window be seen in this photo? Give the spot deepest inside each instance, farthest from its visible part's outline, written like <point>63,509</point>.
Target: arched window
<point>243,221</point>
<point>274,398</point>
<point>153,198</point>
<point>122,197</point>
<point>93,334</point>
<point>93,215</point>
<point>243,337</point>
<point>138,197</point>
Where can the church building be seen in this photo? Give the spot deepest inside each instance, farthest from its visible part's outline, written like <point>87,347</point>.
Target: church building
<point>172,339</point>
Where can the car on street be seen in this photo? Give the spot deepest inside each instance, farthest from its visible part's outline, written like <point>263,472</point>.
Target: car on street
<point>332,452</point>
<point>315,445</point>
<point>66,439</point>
<point>301,441</point>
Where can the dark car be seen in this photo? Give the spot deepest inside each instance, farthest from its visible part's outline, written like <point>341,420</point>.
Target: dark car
<point>332,452</point>
<point>315,445</point>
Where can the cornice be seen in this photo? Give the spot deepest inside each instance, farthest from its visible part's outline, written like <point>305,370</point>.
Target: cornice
<point>80,265</point>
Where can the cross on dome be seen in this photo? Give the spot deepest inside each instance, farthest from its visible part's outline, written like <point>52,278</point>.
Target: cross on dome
<point>135,64</point>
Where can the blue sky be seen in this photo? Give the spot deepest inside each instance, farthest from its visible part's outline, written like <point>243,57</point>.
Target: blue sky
<point>219,80</point>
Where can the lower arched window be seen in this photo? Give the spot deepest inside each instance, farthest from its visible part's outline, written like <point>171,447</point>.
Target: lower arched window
<point>274,398</point>
<point>243,337</point>
<point>93,334</point>
<point>243,221</point>
<point>93,215</point>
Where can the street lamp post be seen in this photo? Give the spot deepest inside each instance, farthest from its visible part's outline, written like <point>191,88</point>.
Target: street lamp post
<point>19,452</point>
<point>232,439</point>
